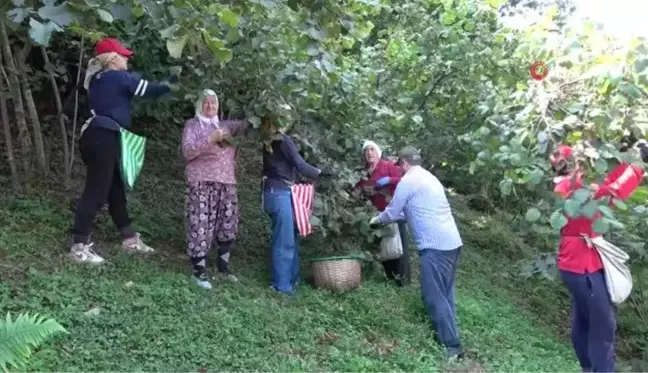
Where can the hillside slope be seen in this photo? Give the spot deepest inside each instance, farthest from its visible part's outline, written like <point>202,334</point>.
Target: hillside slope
<point>143,314</point>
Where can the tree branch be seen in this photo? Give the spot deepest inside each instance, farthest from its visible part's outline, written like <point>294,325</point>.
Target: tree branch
<point>431,90</point>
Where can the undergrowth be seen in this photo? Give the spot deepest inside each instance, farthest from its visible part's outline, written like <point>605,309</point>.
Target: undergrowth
<point>142,314</point>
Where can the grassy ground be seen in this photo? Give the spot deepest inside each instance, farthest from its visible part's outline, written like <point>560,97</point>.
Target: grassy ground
<point>142,314</point>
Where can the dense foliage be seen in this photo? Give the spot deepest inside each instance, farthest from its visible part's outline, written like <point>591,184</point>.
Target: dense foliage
<point>442,75</point>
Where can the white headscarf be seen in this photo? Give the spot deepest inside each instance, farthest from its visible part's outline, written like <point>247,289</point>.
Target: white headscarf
<point>203,119</point>
<point>369,143</point>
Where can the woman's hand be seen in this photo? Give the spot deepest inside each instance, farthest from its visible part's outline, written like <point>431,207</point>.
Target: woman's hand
<point>217,136</point>
<point>368,189</point>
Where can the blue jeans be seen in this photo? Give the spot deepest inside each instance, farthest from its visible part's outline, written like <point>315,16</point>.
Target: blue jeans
<point>593,320</point>
<point>277,203</point>
<point>438,269</point>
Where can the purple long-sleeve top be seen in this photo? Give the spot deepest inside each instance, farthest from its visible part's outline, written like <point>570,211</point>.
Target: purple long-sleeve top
<point>207,162</point>
<point>282,165</point>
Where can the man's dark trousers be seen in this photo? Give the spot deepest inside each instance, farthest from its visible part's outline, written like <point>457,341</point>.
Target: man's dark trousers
<point>438,269</point>
<point>593,320</point>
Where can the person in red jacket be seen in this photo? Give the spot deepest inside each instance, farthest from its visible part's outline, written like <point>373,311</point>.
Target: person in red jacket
<point>383,176</point>
<point>580,266</point>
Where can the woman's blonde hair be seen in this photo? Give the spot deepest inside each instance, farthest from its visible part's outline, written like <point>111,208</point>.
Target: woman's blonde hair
<point>96,64</point>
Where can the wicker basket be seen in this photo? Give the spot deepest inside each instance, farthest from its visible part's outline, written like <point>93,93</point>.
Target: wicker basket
<point>337,273</point>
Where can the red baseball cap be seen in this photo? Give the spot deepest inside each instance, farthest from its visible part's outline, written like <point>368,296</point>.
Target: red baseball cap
<point>108,45</point>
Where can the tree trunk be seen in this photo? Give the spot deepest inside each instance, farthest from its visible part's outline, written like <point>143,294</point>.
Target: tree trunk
<point>6,127</point>
<point>20,57</point>
<point>23,132</point>
<point>61,116</point>
<point>69,164</point>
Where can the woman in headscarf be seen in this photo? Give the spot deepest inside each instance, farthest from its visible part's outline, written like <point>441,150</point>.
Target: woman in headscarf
<point>281,163</point>
<point>581,267</point>
<point>212,213</point>
<point>110,90</point>
<point>382,178</point>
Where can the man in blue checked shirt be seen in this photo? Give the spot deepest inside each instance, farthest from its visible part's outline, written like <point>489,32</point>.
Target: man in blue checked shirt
<point>421,198</point>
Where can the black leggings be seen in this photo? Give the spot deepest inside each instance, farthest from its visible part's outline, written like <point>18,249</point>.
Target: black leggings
<point>100,151</point>
<point>399,269</point>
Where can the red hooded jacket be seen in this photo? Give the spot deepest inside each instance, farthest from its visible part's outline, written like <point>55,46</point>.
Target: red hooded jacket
<point>383,168</point>
<point>573,254</point>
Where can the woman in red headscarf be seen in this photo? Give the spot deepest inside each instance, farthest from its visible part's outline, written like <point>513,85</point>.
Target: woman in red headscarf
<point>580,266</point>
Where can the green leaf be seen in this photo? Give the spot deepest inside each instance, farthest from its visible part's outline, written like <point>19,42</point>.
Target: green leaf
<point>417,119</point>
<point>105,15</point>
<point>214,8</point>
<point>224,55</point>
<point>256,121</point>
<point>62,15</point>
<point>533,214</point>
<point>495,4</point>
<point>619,204</point>
<point>601,165</point>
<point>168,32</point>
<point>362,30</point>
<point>582,195</point>
<point>589,210</point>
<point>630,90</point>
<point>506,186</point>
<point>138,11</point>
<point>175,46</point>
<point>641,65</point>
<point>228,17</point>
<point>575,108</point>
<point>122,12</point>
<point>616,223</point>
<point>19,336</point>
<point>318,203</point>
<point>601,226</point>
<point>572,208</point>
<point>17,15</point>
<point>42,33</point>
<point>558,220</point>
<point>570,120</point>
<point>315,221</point>
<point>535,177</point>
<point>607,212</point>
<point>317,34</point>
<point>232,35</point>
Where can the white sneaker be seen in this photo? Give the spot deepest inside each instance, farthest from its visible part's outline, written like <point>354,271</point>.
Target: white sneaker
<point>228,277</point>
<point>84,254</point>
<point>136,244</point>
<point>203,282</point>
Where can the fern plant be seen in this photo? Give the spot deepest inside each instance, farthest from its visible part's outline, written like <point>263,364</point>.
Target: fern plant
<point>19,336</point>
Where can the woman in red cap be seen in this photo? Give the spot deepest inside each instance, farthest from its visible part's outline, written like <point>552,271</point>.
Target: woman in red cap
<point>580,266</point>
<point>110,90</point>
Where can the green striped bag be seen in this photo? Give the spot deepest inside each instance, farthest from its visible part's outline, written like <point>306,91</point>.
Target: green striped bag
<point>132,157</point>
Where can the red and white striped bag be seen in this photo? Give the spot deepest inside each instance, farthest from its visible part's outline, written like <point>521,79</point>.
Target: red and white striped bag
<point>302,197</point>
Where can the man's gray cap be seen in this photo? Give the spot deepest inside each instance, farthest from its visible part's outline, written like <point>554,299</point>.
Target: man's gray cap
<point>410,155</point>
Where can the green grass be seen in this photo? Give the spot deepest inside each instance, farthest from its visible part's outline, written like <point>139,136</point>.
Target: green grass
<point>142,313</point>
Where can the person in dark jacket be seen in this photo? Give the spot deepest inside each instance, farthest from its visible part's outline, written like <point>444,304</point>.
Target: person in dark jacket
<point>110,91</point>
<point>281,163</point>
